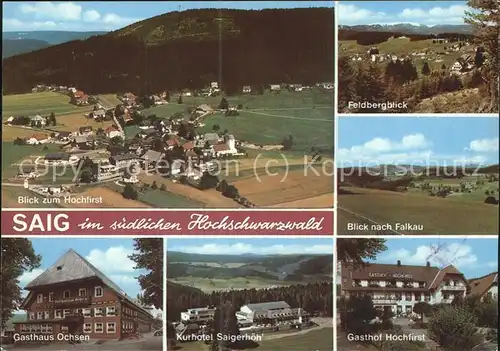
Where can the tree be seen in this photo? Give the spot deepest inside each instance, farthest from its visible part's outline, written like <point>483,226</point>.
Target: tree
<point>224,104</point>
<point>215,127</point>
<point>52,119</point>
<point>422,308</point>
<point>356,251</point>
<point>148,255</point>
<point>485,19</point>
<point>129,192</point>
<point>179,100</point>
<point>116,140</point>
<point>479,58</point>
<point>208,181</point>
<point>225,324</point>
<point>18,257</point>
<point>356,313</point>
<point>154,186</point>
<point>454,328</point>
<point>443,66</point>
<point>425,69</point>
<point>287,142</point>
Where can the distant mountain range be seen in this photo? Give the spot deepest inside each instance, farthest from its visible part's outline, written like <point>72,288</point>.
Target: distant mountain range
<point>408,28</point>
<point>16,43</point>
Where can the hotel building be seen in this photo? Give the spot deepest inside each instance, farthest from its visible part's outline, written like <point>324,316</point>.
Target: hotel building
<point>486,286</point>
<point>74,297</point>
<point>399,287</point>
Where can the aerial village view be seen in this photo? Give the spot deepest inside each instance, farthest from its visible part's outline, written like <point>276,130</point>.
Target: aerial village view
<point>220,123</point>
<point>267,294</point>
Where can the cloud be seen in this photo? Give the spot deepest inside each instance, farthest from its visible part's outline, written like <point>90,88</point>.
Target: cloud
<point>64,11</point>
<point>483,145</point>
<point>350,14</point>
<point>91,16</point>
<point>15,24</point>
<point>113,260</point>
<point>458,254</point>
<point>243,248</point>
<point>67,15</point>
<point>27,277</point>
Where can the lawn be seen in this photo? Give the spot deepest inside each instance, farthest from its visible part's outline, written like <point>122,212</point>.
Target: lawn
<point>12,154</point>
<point>108,100</point>
<point>309,127</point>
<point>39,103</point>
<point>437,215</point>
<point>313,340</point>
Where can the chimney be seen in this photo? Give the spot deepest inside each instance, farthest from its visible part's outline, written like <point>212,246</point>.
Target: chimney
<point>399,263</point>
<point>428,264</point>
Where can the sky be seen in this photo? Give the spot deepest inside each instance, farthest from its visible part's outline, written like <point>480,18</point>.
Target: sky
<point>106,16</point>
<point>418,141</point>
<point>391,12</point>
<point>108,255</point>
<point>262,246</point>
<point>474,257</point>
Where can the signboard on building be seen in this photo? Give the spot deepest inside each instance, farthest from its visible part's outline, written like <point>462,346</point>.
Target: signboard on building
<point>390,275</point>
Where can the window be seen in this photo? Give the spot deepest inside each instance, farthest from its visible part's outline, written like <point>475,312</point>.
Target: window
<point>110,311</point>
<point>38,328</point>
<point>87,328</point>
<point>64,328</point>
<point>46,315</point>
<point>51,297</point>
<point>99,328</point>
<point>98,312</point>
<point>39,298</point>
<point>49,328</point>
<point>32,315</point>
<point>66,294</point>
<point>82,292</point>
<point>98,291</point>
<point>58,314</point>
<point>44,328</point>
<point>66,312</point>
<point>110,327</point>
<point>87,312</point>
<point>39,315</point>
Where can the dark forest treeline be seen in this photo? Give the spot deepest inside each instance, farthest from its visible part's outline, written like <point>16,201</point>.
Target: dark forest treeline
<point>373,38</point>
<point>264,47</point>
<point>316,298</point>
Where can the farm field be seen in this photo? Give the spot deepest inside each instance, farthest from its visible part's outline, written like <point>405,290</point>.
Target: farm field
<point>39,103</point>
<point>108,100</point>
<point>278,187</point>
<point>315,339</point>
<point>321,201</point>
<point>309,127</point>
<point>437,215</point>
<point>71,122</point>
<point>13,155</point>
<point>209,285</point>
<point>207,198</point>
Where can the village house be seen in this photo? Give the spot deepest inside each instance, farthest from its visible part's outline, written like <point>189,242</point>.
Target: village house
<point>227,148</point>
<point>151,158</point>
<point>38,121</point>
<point>37,139</point>
<point>129,99</point>
<point>83,142</point>
<point>113,131</point>
<point>80,98</point>
<point>63,136</point>
<point>399,287</point>
<point>124,160</point>
<point>246,89</point>
<point>99,114</point>
<point>486,286</point>
<point>203,109</point>
<point>75,298</point>
<point>171,143</point>
<point>86,130</point>
<point>275,87</point>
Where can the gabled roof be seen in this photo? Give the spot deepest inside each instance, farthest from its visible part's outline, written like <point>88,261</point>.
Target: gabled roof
<point>73,267</point>
<point>220,147</point>
<point>479,286</point>
<point>152,156</point>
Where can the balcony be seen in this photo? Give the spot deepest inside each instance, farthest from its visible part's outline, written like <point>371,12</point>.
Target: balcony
<point>454,287</point>
<point>75,301</point>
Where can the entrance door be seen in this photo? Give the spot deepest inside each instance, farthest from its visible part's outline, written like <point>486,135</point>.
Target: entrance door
<point>399,309</point>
